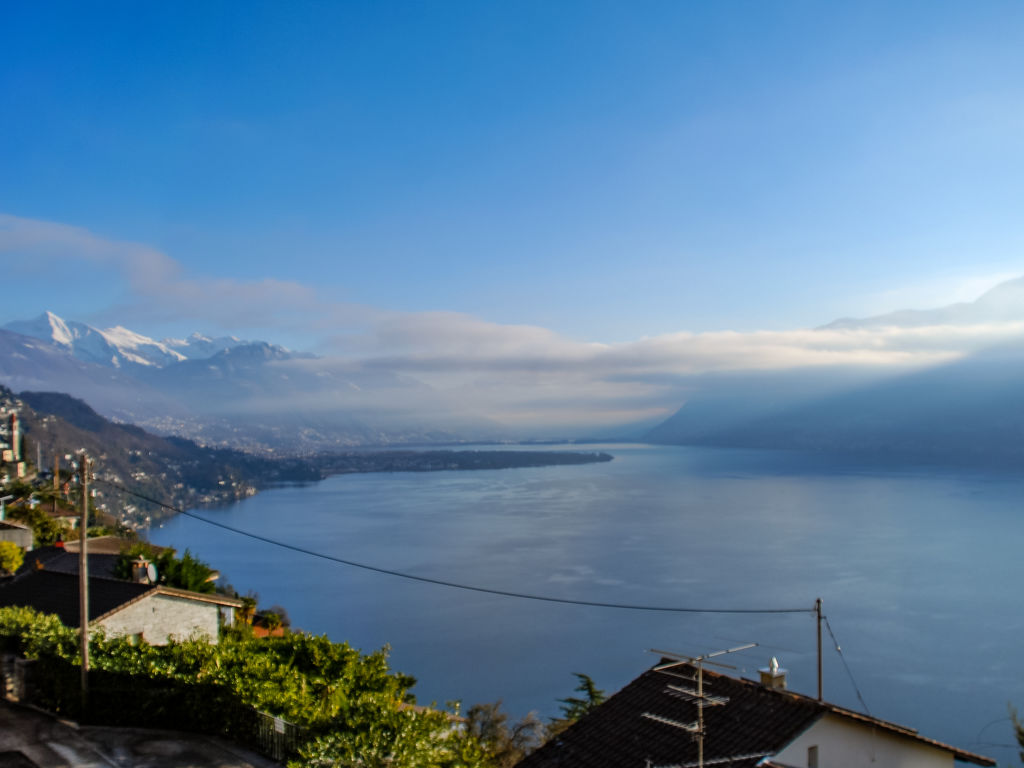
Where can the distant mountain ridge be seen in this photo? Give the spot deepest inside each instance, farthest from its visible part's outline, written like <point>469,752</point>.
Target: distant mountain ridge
<point>969,413</point>
<point>119,347</point>
<point>220,391</point>
<point>1001,304</point>
<point>966,413</point>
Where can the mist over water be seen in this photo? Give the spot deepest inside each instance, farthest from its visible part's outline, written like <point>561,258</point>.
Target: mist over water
<point>920,573</point>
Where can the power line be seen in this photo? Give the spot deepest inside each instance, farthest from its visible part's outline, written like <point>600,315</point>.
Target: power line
<point>441,582</point>
<point>846,666</point>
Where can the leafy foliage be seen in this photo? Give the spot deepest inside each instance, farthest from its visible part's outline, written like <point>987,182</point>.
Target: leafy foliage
<point>575,707</point>
<point>35,634</point>
<point>1018,731</point>
<point>45,530</point>
<point>504,745</point>
<point>186,572</point>
<point>356,710</point>
<point>412,738</point>
<point>11,557</point>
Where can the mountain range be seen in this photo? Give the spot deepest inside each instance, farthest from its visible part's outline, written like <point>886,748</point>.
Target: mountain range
<point>969,412</point>
<point>263,398</point>
<point>221,391</point>
<point>119,347</point>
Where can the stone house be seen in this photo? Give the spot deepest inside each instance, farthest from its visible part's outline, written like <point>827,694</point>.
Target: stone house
<point>149,612</point>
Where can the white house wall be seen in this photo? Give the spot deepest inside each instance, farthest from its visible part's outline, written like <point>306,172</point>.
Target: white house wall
<point>845,743</point>
<point>159,617</point>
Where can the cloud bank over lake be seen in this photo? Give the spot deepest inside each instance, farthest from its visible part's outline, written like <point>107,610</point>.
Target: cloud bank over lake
<point>448,362</point>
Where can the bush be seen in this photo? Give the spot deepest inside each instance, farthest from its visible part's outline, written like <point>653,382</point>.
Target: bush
<point>11,557</point>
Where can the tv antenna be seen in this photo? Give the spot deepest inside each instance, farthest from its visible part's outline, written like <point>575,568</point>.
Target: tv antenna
<point>693,695</point>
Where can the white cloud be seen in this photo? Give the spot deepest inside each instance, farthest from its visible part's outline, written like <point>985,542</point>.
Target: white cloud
<point>157,288</point>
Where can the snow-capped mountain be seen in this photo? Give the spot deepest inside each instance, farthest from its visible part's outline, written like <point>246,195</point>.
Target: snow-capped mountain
<point>115,347</point>
<point>221,391</point>
<point>120,347</point>
<point>199,347</point>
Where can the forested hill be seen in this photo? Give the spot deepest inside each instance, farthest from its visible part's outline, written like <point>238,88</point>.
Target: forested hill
<point>177,472</point>
<point>183,474</point>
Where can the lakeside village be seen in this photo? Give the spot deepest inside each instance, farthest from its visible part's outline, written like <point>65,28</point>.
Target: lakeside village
<point>171,648</point>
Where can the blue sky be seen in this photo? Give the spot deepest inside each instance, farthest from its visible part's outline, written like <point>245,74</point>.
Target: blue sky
<point>599,172</point>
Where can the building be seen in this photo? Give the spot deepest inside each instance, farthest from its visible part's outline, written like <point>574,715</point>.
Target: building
<point>150,612</point>
<point>16,532</point>
<point>654,723</point>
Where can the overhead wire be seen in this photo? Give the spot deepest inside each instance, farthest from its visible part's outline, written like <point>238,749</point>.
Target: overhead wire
<point>846,666</point>
<point>442,582</point>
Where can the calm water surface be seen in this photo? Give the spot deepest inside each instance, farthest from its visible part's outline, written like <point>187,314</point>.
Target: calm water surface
<point>920,572</point>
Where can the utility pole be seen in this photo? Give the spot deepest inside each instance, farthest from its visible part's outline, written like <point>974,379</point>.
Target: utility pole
<point>83,578</point>
<point>817,610</point>
<point>56,478</point>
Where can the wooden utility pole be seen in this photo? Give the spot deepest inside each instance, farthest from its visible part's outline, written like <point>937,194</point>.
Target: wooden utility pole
<point>56,479</point>
<point>817,610</point>
<point>83,577</point>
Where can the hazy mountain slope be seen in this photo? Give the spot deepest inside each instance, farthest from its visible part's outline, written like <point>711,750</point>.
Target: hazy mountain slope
<point>967,413</point>
<point>723,402</point>
<point>1003,303</point>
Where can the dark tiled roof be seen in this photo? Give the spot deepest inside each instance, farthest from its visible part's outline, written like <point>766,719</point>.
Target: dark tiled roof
<point>60,560</point>
<point>755,722</point>
<point>753,725</point>
<point>52,592</point>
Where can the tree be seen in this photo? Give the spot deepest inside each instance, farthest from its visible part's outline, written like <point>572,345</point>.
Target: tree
<point>504,745</point>
<point>575,707</point>
<point>11,557</point>
<point>1018,730</point>
<point>282,613</point>
<point>45,530</point>
<point>187,572</point>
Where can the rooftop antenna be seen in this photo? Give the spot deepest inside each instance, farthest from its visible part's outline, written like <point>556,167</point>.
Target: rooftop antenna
<point>695,696</point>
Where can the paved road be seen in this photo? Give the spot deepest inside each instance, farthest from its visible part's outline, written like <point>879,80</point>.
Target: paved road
<point>33,739</point>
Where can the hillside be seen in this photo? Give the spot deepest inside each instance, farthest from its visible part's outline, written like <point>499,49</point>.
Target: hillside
<point>967,413</point>
<point>173,470</point>
<point>182,474</point>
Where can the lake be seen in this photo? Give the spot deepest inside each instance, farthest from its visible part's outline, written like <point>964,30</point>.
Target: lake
<point>920,572</point>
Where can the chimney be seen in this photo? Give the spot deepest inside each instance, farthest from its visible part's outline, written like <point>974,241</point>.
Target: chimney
<point>773,676</point>
<point>140,570</point>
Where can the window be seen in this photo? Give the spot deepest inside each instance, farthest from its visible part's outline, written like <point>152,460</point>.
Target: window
<point>812,756</point>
